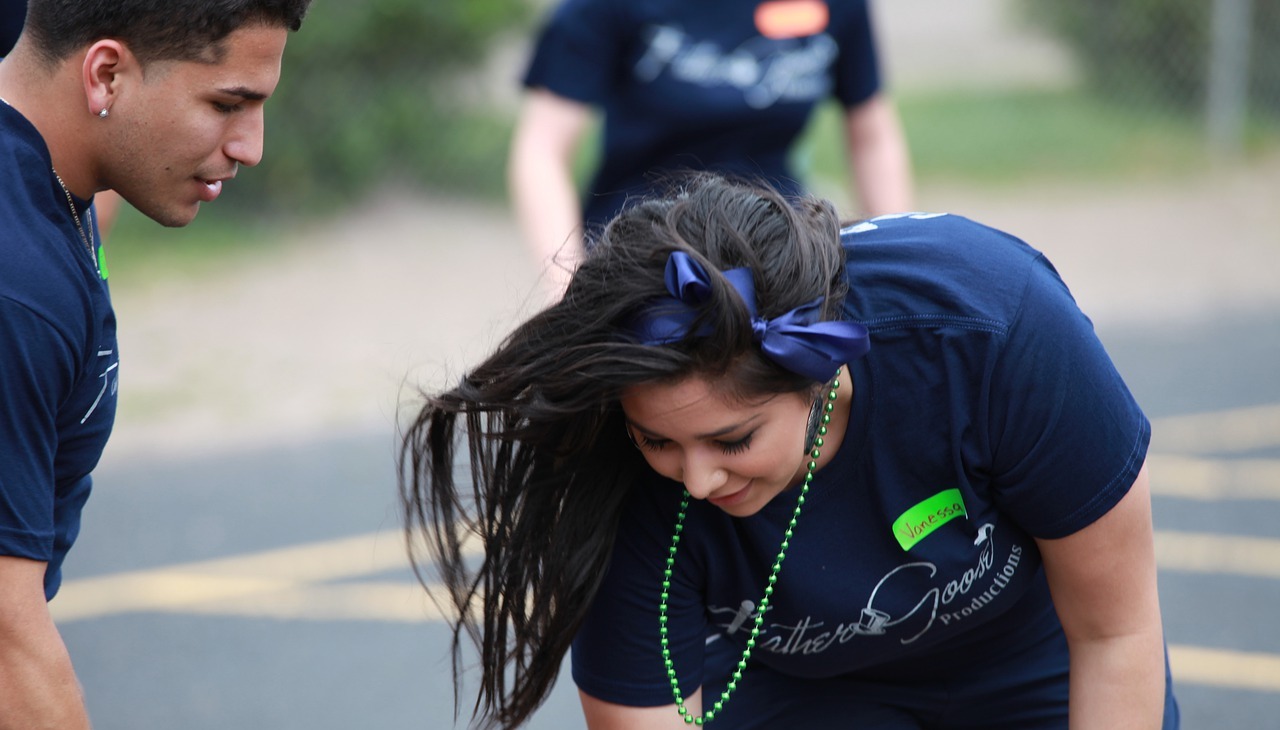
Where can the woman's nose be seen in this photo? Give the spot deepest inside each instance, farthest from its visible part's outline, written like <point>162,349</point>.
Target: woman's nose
<point>702,480</point>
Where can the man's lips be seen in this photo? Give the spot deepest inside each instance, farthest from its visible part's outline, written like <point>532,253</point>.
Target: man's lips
<point>211,188</point>
<point>211,185</point>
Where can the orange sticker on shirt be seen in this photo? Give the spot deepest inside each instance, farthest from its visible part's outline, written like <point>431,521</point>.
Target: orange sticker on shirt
<point>782,19</point>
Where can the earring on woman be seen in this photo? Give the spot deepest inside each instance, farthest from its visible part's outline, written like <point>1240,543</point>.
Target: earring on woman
<point>103,113</point>
<point>815,418</point>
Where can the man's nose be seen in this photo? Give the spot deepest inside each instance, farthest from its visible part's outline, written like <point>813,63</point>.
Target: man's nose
<point>245,144</point>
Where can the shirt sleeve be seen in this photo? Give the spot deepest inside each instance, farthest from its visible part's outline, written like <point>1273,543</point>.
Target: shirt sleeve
<point>1068,438</point>
<point>857,72</point>
<point>617,654</point>
<point>578,51</point>
<point>35,364</point>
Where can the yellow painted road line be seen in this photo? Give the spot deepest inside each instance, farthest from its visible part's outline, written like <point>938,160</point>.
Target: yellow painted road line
<point>291,581</point>
<point>386,601</point>
<point>1190,477</point>
<point>1229,431</point>
<point>187,586</point>
<point>1224,668</point>
<point>1200,552</point>
<point>290,584</point>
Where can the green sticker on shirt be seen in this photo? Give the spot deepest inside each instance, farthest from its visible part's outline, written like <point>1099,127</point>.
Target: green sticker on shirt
<point>921,520</point>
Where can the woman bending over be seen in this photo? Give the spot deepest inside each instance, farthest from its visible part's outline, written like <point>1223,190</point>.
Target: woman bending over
<point>762,471</point>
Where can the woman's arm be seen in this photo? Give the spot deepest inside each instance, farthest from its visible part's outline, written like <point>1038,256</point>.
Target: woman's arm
<point>879,162</point>
<point>540,180</point>
<point>1103,581</point>
<point>601,715</point>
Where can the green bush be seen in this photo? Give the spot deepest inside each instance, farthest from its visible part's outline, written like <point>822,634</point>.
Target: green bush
<point>367,97</point>
<point>1157,51</point>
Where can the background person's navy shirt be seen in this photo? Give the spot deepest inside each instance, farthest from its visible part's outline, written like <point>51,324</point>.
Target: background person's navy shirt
<point>694,85</point>
<point>58,356</point>
<point>984,378</point>
<point>13,14</point>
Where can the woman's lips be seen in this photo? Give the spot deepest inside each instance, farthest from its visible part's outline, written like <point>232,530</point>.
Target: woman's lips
<point>731,499</point>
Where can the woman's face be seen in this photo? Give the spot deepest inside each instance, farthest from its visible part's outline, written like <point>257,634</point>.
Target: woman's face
<point>736,455</point>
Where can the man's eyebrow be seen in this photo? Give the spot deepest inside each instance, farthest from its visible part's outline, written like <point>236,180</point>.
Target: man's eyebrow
<point>244,92</point>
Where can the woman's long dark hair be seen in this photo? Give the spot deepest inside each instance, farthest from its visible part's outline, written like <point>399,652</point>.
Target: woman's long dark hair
<point>549,462</point>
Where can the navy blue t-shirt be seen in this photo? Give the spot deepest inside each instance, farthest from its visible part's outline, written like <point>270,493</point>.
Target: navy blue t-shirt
<point>696,86</point>
<point>13,14</point>
<point>58,355</point>
<point>985,415</point>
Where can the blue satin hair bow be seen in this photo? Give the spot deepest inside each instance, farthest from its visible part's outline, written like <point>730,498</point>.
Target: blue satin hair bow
<point>796,340</point>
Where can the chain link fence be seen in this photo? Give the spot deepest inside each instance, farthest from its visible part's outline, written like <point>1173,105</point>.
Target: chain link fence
<point>1216,61</point>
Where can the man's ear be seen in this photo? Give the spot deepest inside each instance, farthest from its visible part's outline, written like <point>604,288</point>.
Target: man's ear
<point>105,63</point>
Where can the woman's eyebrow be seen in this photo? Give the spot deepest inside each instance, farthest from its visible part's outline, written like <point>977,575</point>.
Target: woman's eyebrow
<point>729,429</point>
<point>640,427</point>
<point>702,436</point>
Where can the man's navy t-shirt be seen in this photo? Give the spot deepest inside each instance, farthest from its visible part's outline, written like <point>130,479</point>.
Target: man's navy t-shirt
<point>58,355</point>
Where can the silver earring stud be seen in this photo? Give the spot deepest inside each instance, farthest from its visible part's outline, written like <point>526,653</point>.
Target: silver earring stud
<point>103,114</point>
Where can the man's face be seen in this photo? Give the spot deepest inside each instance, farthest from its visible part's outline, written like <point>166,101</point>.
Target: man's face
<point>183,129</point>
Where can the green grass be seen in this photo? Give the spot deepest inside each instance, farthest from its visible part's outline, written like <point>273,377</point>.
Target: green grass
<point>1006,137</point>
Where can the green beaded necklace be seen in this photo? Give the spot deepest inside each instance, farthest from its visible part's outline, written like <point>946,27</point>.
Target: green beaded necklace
<point>709,715</point>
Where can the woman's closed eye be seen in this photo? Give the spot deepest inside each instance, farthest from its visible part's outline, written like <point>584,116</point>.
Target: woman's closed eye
<point>729,447</point>
<point>649,442</point>
<point>736,447</point>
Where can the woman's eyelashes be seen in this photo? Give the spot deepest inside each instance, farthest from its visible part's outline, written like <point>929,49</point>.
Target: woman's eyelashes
<point>728,447</point>
<point>736,447</point>
<point>651,443</point>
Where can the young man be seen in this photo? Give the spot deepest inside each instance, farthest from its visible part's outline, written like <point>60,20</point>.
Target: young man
<point>162,101</point>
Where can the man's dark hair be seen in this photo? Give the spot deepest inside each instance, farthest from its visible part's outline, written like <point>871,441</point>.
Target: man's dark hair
<point>154,30</point>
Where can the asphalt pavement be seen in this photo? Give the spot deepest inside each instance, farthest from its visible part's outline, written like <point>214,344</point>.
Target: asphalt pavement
<point>276,636</point>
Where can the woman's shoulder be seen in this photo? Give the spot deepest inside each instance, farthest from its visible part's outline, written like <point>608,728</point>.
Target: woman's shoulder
<point>935,265</point>
<point>940,233</point>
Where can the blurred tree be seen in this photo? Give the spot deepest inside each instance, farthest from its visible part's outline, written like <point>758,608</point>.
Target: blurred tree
<point>369,96</point>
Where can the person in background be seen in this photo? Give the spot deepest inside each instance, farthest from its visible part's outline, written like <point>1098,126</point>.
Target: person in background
<point>12,14</point>
<point>162,102</point>
<point>724,85</point>
<point>767,472</point>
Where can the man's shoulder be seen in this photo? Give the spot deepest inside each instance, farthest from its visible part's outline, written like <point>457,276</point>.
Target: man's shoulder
<point>25,167</point>
<point>38,275</point>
